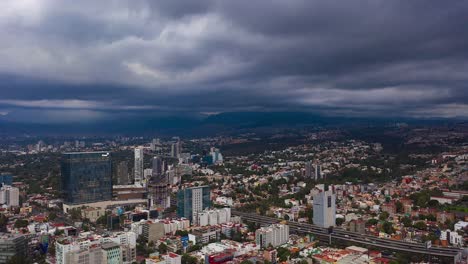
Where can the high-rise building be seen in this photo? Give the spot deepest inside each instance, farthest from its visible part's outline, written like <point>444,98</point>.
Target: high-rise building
<point>191,201</point>
<point>175,149</point>
<point>216,156</point>
<point>309,172</point>
<point>318,171</point>
<point>11,245</point>
<point>275,235</point>
<point>158,186</point>
<point>86,177</point>
<point>9,196</point>
<point>139,159</point>
<point>325,208</point>
<point>157,167</point>
<point>122,173</point>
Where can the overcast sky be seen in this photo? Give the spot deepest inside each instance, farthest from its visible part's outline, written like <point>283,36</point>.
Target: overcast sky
<point>67,61</point>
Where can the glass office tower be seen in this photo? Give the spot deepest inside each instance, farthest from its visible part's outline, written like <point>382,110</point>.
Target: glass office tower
<point>86,177</point>
<point>191,201</point>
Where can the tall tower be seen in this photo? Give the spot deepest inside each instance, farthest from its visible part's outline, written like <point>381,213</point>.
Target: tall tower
<point>139,165</point>
<point>157,167</point>
<point>122,173</point>
<point>158,186</point>
<point>309,170</point>
<point>191,201</point>
<point>325,208</point>
<point>318,171</point>
<point>86,177</point>
<point>176,149</point>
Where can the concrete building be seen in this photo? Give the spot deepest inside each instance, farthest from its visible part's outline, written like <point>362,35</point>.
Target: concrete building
<point>153,231</point>
<point>358,226</point>
<point>172,258</point>
<point>205,234</point>
<point>92,213</point>
<point>84,256</point>
<point>175,149</point>
<point>9,196</point>
<point>158,186</point>
<point>122,173</point>
<point>112,253</point>
<point>96,249</point>
<point>275,235</point>
<point>309,170</point>
<point>318,172</point>
<point>11,245</point>
<point>324,206</point>
<point>214,217</point>
<point>139,159</point>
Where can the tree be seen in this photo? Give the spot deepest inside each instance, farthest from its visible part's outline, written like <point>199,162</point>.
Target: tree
<point>283,253</point>
<point>20,223</point>
<point>431,217</point>
<point>420,225</point>
<point>399,207</point>
<point>181,233</point>
<point>51,249</point>
<point>433,203</point>
<point>162,248</point>
<point>52,216</point>
<point>384,216</point>
<point>18,259</point>
<point>387,227</point>
<point>187,259</point>
<point>406,221</point>
<point>102,220</point>
<point>3,222</point>
<point>372,221</point>
<point>339,221</point>
<point>75,213</point>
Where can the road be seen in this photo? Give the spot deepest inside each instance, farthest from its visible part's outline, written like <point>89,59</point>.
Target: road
<point>343,235</point>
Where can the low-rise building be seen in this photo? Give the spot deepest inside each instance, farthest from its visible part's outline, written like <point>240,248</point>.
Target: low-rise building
<point>92,213</point>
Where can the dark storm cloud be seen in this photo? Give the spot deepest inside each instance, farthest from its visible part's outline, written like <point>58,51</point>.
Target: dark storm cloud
<point>107,58</point>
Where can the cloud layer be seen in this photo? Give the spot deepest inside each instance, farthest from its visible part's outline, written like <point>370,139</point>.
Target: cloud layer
<point>66,62</point>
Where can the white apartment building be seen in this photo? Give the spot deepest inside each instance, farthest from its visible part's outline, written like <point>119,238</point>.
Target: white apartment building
<point>9,196</point>
<point>90,250</point>
<point>274,235</point>
<point>214,217</point>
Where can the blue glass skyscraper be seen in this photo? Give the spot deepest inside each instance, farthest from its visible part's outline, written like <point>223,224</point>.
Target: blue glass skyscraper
<point>192,200</point>
<point>86,177</point>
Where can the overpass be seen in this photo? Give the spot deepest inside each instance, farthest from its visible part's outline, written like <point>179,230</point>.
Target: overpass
<point>347,236</point>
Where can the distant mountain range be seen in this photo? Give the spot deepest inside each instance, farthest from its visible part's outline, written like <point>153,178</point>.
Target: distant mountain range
<point>223,123</point>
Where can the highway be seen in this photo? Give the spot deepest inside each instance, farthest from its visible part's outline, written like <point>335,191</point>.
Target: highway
<point>343,235</point>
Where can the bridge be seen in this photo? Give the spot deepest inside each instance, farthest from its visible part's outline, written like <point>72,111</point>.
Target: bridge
<point>356,238</point>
